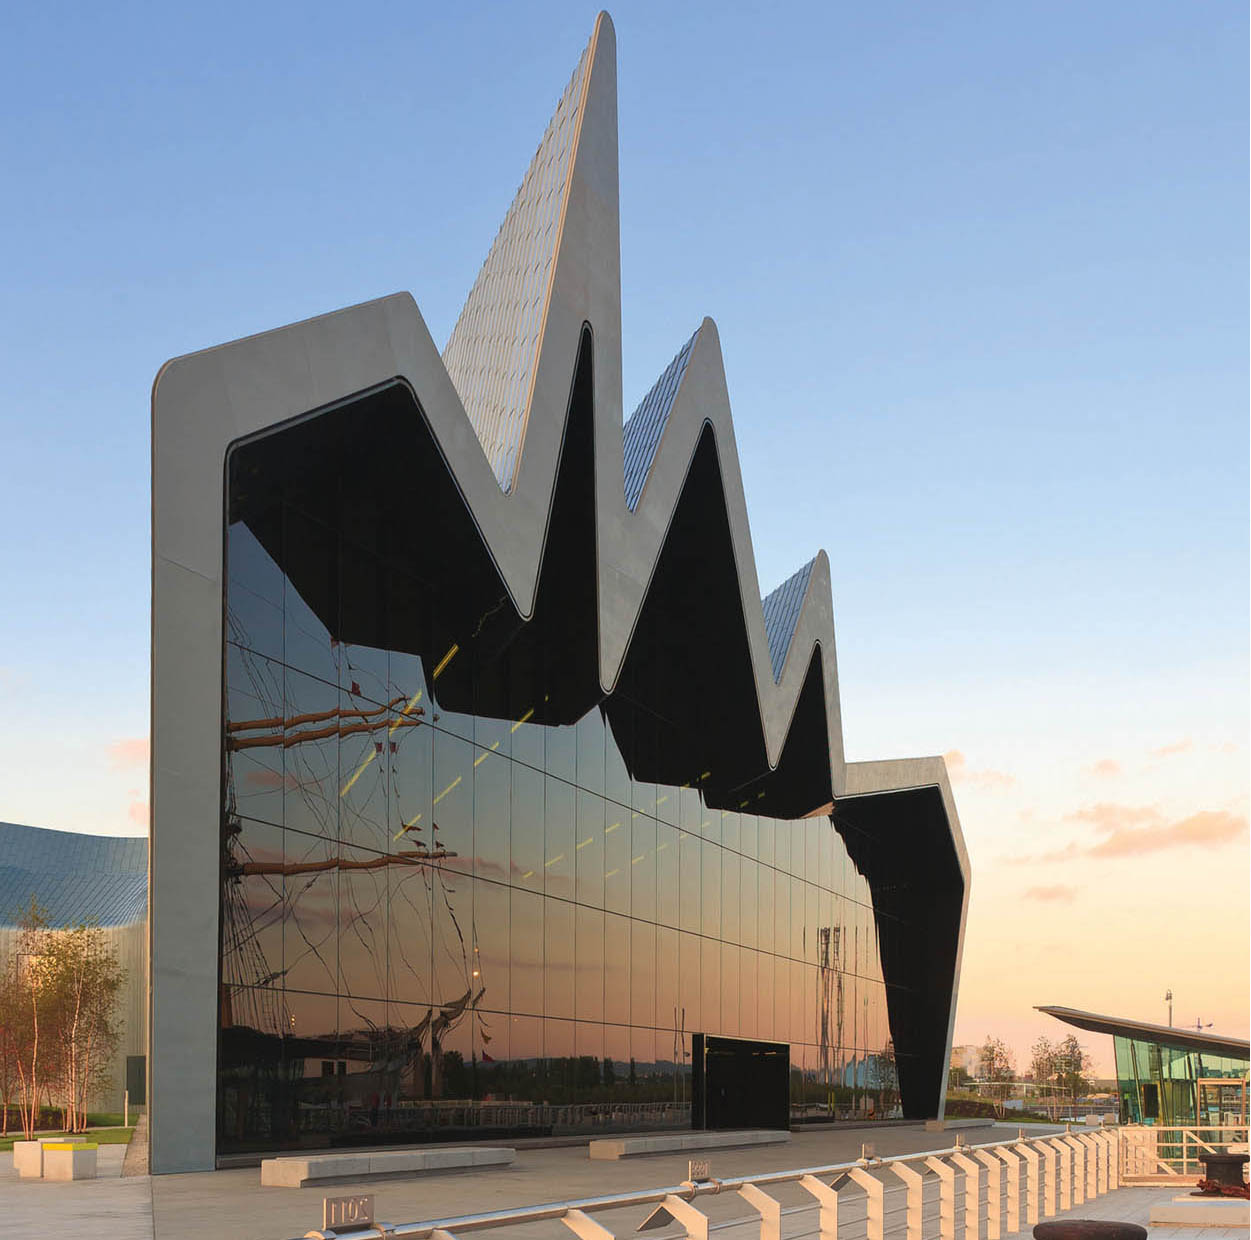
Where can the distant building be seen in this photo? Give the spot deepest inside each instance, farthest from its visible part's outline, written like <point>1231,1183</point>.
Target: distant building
<point>1168,1076</point>
<point>98,879</point>
<point>966,1058</point>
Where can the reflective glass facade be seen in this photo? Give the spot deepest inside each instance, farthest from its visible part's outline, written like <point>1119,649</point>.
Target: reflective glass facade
<point>441,923</point>
<point>1176,1086</point>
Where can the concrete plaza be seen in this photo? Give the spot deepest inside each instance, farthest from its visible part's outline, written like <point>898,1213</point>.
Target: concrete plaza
<point>210,1205</point>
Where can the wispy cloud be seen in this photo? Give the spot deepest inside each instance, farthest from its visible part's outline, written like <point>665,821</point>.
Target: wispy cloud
<point>1185,745</point>
<point>1060,893</point>
<point>1207,829</point>
<point>137,812</point>
<point>1137,830</point>
<point>128,752</point>
<point>959,772</point>
<point>1105,768</point>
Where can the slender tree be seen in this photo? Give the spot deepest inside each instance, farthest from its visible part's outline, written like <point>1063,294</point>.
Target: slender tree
<point>997,1070</point>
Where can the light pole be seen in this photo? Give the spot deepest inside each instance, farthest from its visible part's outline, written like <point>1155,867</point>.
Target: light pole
<point>1168,998</point>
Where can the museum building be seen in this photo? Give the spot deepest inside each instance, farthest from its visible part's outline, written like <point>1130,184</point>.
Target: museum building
<point>489,797</point>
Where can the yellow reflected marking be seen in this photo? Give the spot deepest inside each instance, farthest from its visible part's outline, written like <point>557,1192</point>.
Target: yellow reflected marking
<point>662,800</point>
<point>482,757</point>
<point>704,776</point>
<point>447,790</point>
<point>553,861</point>
<point>408,826</point>
<point>412,701</point>
<point>369,757</point>
<point>614,826</point>
<point>528,874</point>
<point>584,843</point>
<point>636,860</point>
<point>521,720</point>
<point>445,660</point>
<point>662,847</point>
<point>611,873</point>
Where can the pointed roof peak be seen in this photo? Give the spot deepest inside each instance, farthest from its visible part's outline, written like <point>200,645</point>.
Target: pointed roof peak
<point>492,352</point>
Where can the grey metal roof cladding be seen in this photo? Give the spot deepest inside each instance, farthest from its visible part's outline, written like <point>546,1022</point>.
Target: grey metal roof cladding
<point>781,615</point>
<point>100,879</point>
<point>644,427</point>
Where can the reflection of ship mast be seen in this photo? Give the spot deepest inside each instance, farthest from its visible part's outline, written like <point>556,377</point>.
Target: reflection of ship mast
<point>243,926</point>
<point>830,992</point>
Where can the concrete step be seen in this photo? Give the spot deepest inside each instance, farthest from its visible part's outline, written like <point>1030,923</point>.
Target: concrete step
<point>295,1172</point>
<point>668,1142</point>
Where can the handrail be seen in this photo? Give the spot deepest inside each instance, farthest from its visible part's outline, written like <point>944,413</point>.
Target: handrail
<point>1088,1160</point>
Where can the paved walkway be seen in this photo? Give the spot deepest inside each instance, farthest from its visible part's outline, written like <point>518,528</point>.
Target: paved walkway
<point>213,1205</point>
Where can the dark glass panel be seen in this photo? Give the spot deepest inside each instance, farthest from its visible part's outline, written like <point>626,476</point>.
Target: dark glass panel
<point>781,969</point>
<point>527,952</point>
<point>593,1070</point>
<point>766,970</point>
<point>710,985</point>
<point>643,869</point>
<point>451,807</point>
<point>491,964</point>
<point>558,838</point>
<point>617,859</point>
<point>560,756</point>
<point>253,907</point>
<point>749,900</point>
<point>311,747</point>
<point>558,922</point>
<point>256,760</point>
<point>589,964</point>
<point>782,833</point>
<point>730,926</point>
<point>765,832</point>
<point>362,923</point>
<point>781,914</point>
<point>492,815</point>
<point>452,927</point>
<point>666,875</point>
<point>527,827</point>
<point>689,986</point>
<point>668,998</point>
<point>668,803</point>
<point>254,595</point>
<point>529,741</point>
<point>308,643</point>
<point>710,890</point>
<point>590,742</point>
<point>642,1080</point>
<point>749,984</point>
<point>730,990</point>
<point>311,928</point>
<point>616,776</point>
<point>364,670</point>
<point>642,973</point>
<point>764,908</point>
<point>558,1046</point>
<point>410,888</point>
<point>365,741</point>
<point>616,969</point>
<point>412,776</point>
<point>588,852</point>
<point>690,868</point>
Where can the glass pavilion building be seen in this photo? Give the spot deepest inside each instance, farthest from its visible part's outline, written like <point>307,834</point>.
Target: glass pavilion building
<point>489,796</point>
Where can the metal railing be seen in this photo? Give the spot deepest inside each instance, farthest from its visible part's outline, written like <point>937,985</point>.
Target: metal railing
<point>1151,1153</point>
<point>971,1192</point>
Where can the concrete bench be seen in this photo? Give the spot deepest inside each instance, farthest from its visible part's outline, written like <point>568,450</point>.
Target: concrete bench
<point>298,1171</point>
<point>669,1142</point>
<point>69,1160</point>
<point>28,1156</point>
<point>942,1125</point>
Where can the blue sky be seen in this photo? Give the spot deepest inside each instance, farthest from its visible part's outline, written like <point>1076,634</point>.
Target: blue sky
<point>980,274</point>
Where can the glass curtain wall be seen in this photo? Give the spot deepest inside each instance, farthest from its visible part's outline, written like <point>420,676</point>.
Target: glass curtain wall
<point>439,925</point>
<point>1174,1086</point>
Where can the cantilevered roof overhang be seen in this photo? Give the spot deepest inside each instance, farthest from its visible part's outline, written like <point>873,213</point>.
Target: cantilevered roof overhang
<point>1166,1035</point>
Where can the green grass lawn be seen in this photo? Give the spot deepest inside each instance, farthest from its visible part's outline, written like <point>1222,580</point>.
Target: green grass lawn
<point>101,1136</point>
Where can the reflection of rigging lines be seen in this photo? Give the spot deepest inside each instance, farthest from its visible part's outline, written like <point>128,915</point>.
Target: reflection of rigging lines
<point>249,979</point>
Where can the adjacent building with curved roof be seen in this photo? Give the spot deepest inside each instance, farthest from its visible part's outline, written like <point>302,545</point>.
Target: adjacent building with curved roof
<point>99,880</point>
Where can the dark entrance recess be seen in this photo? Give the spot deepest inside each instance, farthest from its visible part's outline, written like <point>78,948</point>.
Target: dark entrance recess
<point>739,1084</point>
